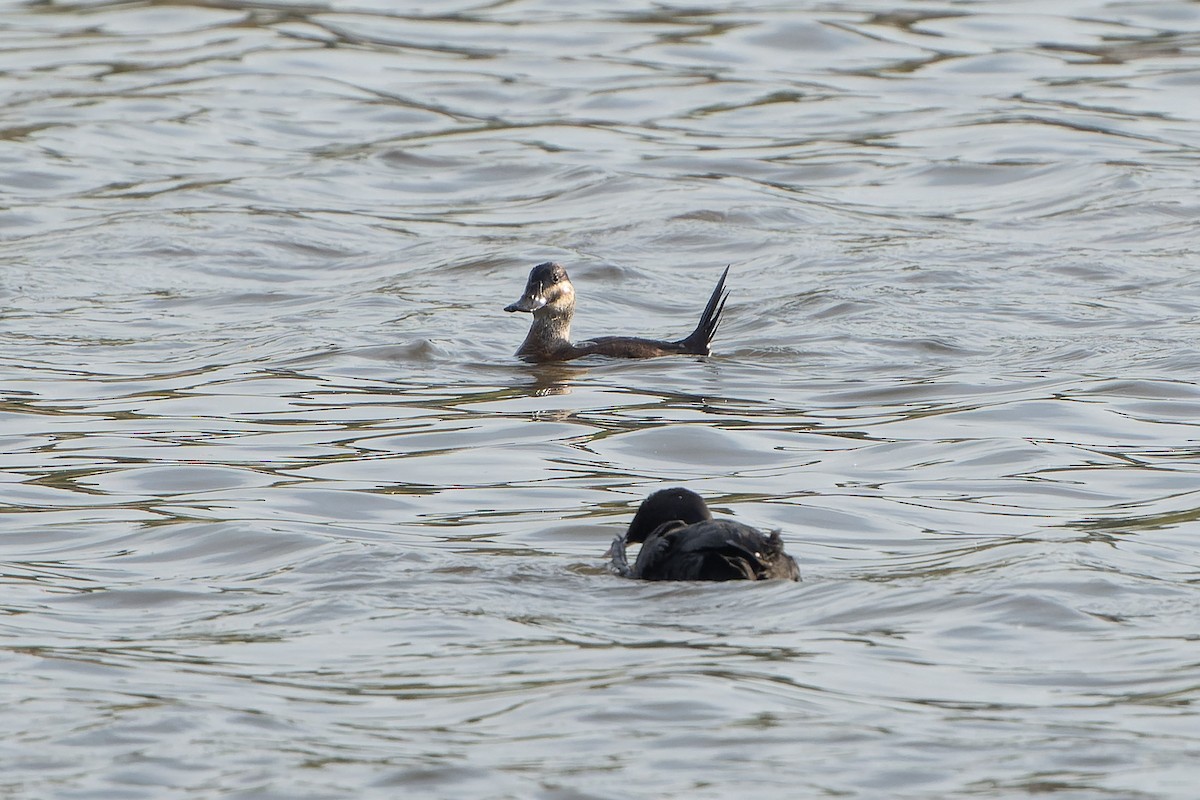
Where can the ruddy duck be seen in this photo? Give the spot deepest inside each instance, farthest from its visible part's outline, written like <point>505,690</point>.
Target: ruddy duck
<point>550,297</point>
<point>682,542</point>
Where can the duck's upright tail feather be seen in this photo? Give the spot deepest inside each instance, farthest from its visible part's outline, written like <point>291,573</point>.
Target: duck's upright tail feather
<point>699,341</point>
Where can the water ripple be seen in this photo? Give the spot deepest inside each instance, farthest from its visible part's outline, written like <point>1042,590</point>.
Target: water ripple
<point>282,515</point>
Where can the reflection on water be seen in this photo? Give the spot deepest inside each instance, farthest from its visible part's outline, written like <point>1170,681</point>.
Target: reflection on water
<point>275,519</point>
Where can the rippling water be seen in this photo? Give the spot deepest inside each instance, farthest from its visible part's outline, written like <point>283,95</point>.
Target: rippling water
<point>284,518</point>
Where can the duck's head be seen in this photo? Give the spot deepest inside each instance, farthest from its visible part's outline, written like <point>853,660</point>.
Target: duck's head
<point>547,292</point>
<point>666,505</point>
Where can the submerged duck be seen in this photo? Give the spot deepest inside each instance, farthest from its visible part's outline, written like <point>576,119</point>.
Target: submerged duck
<point>682,542</point>
<point>550,297</point>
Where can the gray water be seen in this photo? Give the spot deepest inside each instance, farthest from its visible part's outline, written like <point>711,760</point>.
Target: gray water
<point>284,518</point>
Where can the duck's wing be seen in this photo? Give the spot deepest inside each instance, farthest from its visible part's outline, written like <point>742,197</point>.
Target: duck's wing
<point>625,347</point>
<point>704,551</point>
<point>713,550</point>
<point>664,555</point>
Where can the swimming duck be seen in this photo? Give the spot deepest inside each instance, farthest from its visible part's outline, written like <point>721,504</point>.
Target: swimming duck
<point>682,542</point>
<point>550,297</point>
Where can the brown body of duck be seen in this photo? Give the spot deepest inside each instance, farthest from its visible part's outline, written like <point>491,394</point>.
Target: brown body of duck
<point>682,542</point>
<point>550,297</point>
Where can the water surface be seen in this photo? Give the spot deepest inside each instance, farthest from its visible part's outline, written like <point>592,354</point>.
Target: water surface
<point>284,518</point>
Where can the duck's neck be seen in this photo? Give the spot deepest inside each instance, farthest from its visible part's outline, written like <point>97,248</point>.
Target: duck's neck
<point>549,334</point>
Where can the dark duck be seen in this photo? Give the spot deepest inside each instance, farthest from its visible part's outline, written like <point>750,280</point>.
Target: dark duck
<point>682,542</point>
<point>550,297</point>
